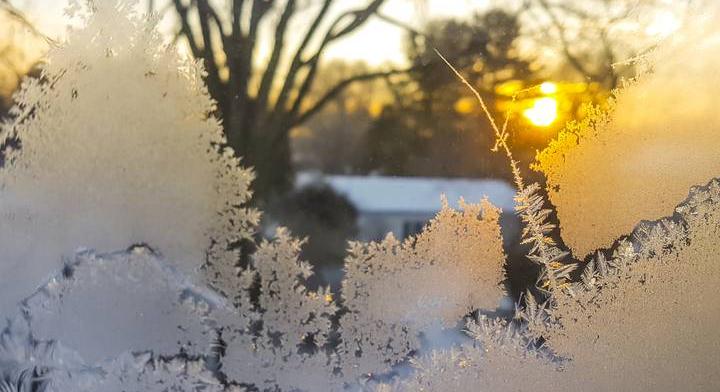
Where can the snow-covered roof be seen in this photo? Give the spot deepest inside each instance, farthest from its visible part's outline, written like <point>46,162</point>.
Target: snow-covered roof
<point>380,194</point>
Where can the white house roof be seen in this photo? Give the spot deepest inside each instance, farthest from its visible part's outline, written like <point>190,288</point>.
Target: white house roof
<point>380,194</point>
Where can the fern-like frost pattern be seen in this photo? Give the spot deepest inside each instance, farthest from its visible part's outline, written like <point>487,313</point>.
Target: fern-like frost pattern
<point>122,215</point>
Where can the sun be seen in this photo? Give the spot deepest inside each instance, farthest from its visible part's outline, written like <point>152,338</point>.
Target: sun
<point>543,112</point>
<point>548,88</point>
<point>664,24</point>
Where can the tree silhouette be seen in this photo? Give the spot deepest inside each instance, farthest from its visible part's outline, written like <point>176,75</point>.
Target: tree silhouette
<point>427,132</point>
<point>590,37</point>
<point>258,117</point>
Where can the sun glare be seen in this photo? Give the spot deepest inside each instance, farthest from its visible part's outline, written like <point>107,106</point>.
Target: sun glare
<point>664,24</point>
<point>548,88</point>
<point>465,105</point>
<point>543,112</point>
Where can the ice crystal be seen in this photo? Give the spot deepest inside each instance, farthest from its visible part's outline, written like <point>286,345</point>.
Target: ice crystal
<point>650,309</point>
<point>102,306</point>
<point>142,373</point>
<point>501,358</point>
<point>28,364</point>
<point>117,146</point>
<point>459,260</point>
<point>286,343</point>
<point>286,349</point>
<point>642,319</point>
<point>106,163</point>
<point>637,160</point>
<point>530,206</point>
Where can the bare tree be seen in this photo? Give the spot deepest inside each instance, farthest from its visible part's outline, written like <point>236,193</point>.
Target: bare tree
<point>258,117</point>
<point>590,35</point>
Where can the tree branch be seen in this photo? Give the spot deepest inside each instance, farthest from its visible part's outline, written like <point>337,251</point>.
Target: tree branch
<point>278,45</point>
<point>244,66</point>
<point>395,22</point>
<point>205,13</point>
<point>341,86</point>
<point>359,17</point>
<point>610,59</point>
<point>296,63</point>
<point>185,28</point>
<point>572,59</point>
<point>240,51</point>
<point>237,6</point>
<point>216,18</point>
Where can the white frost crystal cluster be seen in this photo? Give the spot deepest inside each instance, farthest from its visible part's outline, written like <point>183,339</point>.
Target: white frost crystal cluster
<point>135,286</point>
<point>121,213</point>
<point>393,290</point>
<point>637,161</point>
<point>117,148</point>
<point>643,319</point>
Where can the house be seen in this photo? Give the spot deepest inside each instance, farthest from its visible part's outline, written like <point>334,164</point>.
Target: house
<point>403,205</point>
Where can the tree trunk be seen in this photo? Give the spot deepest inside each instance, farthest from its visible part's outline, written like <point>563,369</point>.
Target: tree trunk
<point>269,159</point>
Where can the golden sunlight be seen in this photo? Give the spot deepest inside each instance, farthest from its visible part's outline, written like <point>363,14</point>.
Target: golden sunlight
<point>664,24</point>
<point>543,112</point>
<point>465,105</point>
<point>548,88</point>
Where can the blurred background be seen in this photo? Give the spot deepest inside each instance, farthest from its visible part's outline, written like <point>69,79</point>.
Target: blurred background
<point>354,125</point>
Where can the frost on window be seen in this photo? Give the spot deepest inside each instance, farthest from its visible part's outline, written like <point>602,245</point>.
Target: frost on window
<point>649,307</point>
<point>394,290</point>
<point>141,373</point>
<point>285,344</point>
<point>107,162</point>
<point>23,360</point>
<point>147,373</point>
<point>458,257</point>
<point>641,319</point>
<point>100,303</point>
<point>120,215</point>
<point>637,162</point>
<point>500,358</point>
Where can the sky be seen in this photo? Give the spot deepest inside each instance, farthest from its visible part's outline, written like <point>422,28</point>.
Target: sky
<point>377,42</point>
<point>387,40</point>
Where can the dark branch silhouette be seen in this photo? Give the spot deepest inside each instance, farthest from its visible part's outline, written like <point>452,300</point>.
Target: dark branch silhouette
<point>258,117</point>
